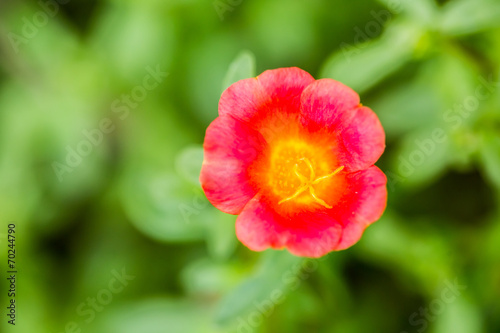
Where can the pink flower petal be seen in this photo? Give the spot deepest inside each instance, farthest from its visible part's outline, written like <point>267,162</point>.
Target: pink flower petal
<point>287,104</point>
<point>363,140</point>
<point>305,234</point>
<point>243,100</point>
<point>364,202</point>
<point>230,148</point>
<point>327,103</point>
<point>284,87</point>
<point>274,91</point>
<point>257,226</point>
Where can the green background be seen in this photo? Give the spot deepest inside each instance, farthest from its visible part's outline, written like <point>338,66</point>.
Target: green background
<point>133,203</point>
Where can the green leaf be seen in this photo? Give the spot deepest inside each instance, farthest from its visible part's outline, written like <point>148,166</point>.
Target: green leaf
<point>459,315</point>
<point>423,11</point>
<point>155,315</point>
<point>463,17</point>
<point>243,67</point>
<point>164,207</point>
<point>423,157</point>
<point>364,65</point>
<point>276,274</point>
<point>452,66</point>
<point>205,277</point>
<point>420,254</point>
<point>117,28</point>
<point>188,163</point>
<point>406,107</point>
<point>208,62</point>
<point>221,236</point>
<point>490,156</point>
<point>221,239</point>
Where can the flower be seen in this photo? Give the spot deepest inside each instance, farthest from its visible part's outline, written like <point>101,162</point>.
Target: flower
<point>293,157</point>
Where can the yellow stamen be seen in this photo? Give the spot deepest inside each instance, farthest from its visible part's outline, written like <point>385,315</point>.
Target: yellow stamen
<point>296,194</point>
<point>318,200</point>
<point>317,180</point>
<point>299,175</point>
<point>307,184</point>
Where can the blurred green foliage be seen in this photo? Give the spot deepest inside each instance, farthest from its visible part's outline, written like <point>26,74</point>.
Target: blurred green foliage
<point>132,200</point>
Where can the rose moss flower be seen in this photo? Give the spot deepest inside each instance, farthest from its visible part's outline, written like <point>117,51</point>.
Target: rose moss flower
<point>294,156</point>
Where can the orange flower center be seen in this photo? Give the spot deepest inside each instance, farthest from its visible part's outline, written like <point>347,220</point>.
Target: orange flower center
<point>301,172</point>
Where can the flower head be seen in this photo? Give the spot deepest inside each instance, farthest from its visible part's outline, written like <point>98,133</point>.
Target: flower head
<point>294,156</point>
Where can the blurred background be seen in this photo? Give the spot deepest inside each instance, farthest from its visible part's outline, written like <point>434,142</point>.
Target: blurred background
<point>103,109</point>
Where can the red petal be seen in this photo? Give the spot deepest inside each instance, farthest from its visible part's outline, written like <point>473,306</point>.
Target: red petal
<point>257,226</point>
<point>230,147</point>
<point>314,234</point>
<point>284,87</point>
<point>362,140</point>
<point>305,234</point>
<point>321,236</point>
<point>271,92</point>
<point>364,202</point>
<point>243,100</point>
<point>327,104</point>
